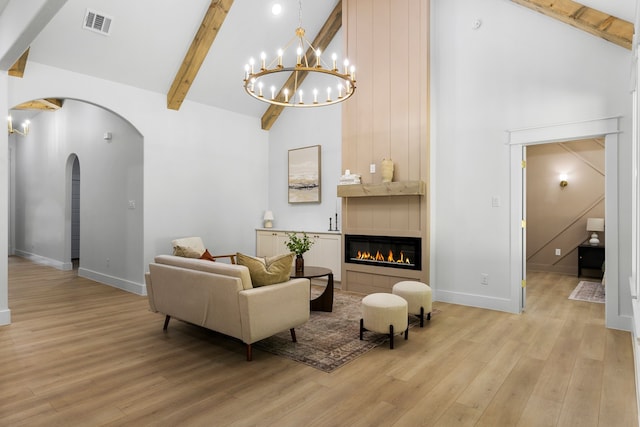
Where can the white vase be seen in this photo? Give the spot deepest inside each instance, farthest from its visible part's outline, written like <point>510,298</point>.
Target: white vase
<point>387,170</point>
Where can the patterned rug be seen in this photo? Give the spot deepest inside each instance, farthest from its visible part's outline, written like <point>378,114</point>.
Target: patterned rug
<point>329,340</point>
<point>588,291</point>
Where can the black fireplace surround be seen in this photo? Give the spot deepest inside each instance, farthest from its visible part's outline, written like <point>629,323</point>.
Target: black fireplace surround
<point>383,251</point>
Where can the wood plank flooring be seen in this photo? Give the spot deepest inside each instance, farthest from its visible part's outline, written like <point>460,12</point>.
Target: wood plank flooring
<point>80,353</point>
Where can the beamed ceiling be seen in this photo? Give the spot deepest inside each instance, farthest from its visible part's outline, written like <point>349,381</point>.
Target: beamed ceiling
<point>600,24</point>
<point>322,23</point>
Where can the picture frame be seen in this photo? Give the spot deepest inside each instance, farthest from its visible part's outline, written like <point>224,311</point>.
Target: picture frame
<point>304,177</point>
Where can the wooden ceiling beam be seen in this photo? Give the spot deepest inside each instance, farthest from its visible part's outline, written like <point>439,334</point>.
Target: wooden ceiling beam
<point>322,40</point>
<point>610,28</point>
<point>17,69</point>
<point>49,104</point>
<point>209,28</point>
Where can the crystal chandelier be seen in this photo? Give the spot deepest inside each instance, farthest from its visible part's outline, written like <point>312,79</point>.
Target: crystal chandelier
<point>331,84</point>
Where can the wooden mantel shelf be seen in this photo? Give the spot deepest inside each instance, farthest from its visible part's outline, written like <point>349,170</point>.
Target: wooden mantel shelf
<point>401,188</point>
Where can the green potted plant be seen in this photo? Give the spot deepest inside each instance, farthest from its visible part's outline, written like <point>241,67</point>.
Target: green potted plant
<point>299,246</point>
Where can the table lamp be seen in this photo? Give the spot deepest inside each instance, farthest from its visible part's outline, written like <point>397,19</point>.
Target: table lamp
<point>593,225</point>
<point>268,219</point>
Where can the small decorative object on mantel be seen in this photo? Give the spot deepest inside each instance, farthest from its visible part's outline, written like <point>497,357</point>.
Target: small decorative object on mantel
<point>387,170</point>
<point>348,178</point>
<point>299,246</point>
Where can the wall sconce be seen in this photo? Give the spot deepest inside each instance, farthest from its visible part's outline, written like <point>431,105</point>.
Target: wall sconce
<point>268,219</point>
<point>25,127</point>
<point>593,225</point>
<point>563,180</point>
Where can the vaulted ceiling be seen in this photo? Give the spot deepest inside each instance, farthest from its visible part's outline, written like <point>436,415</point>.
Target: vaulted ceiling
<point>590,19</point>
<point>149,43</point>
<point>196,50</point>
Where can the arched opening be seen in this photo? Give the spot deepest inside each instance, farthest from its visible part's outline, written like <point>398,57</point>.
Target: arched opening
<point>100,233</point>
<point>72,231</point>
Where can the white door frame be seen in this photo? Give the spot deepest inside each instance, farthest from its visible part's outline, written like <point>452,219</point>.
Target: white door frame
<point>609,128</point>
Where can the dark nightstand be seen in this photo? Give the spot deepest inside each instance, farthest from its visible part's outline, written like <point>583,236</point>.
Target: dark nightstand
<point>591,258</point>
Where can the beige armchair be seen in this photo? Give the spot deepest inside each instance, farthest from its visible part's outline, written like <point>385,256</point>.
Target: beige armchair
<point>193,247</point>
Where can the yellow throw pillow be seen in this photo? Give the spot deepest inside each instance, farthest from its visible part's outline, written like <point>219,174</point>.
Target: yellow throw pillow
<point>267,271</point>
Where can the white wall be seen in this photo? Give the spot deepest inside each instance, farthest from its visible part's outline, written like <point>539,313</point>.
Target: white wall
<point>205,169</point>
<point>298,128</point>
<point>200,164</point>
<point>519,69</point>
<point>111,176</point>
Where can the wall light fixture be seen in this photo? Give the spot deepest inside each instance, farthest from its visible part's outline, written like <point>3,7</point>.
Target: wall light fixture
<point>25,127</point>
<point>563,180</point>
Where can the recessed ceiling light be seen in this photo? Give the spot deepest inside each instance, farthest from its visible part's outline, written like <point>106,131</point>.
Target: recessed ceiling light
<point>276,9</point>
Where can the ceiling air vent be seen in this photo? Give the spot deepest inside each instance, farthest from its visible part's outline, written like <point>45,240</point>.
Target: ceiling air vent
<point>97,22</point>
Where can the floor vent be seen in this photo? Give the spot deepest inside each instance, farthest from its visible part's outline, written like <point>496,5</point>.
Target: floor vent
<point>97,22</point>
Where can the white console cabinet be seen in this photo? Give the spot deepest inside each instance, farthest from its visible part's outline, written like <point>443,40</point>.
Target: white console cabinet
<point>270,243</point>
<point>325,252</point>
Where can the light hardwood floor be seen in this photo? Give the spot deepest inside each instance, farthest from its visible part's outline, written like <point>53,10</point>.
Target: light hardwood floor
<point>81,353</point>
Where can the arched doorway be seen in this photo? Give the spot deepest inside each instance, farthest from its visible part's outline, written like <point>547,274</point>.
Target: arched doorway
<point>79,187</point>
<point>73,210</point>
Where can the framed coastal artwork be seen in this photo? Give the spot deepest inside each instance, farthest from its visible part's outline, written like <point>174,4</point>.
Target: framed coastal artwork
<point>304,175</point>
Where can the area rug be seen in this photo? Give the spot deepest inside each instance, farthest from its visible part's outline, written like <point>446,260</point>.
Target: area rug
<point>329,340</point>
<point>588,291</point>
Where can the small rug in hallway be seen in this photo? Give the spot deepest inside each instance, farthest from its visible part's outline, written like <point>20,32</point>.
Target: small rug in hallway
<point>330,340</point>
<point>588,291</point>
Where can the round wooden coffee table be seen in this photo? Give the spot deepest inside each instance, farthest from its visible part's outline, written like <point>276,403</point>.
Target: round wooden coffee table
<point>325,301</point>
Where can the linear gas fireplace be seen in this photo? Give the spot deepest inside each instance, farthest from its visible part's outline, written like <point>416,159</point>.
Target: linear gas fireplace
<point>384,251</point>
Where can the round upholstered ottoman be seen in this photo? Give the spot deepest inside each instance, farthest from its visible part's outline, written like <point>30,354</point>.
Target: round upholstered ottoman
<point>418,296</point>
<point>385,314</point>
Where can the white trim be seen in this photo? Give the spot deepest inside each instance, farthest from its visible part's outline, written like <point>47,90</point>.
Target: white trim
<point>60,265</point>
<point>613,318</point>
<point>474,300</point>
<point>515,229</point>
<point>564,131</point>
<point>5,317</point>
<point>516,139</point>
<point>125,285</point>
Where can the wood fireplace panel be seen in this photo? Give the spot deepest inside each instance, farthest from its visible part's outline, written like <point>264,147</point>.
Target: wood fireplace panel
<point>376,279</point>
<point>387,118</point>
<point>399,215</point>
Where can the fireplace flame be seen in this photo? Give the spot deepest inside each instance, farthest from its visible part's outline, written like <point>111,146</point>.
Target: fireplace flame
<point>379,257</point>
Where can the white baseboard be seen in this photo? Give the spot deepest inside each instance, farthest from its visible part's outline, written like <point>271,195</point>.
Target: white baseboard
<point>621,322</point>
<point>116,282</point>
<point>472,300</point>
<point>5,317</point>
<point>60,265</point>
